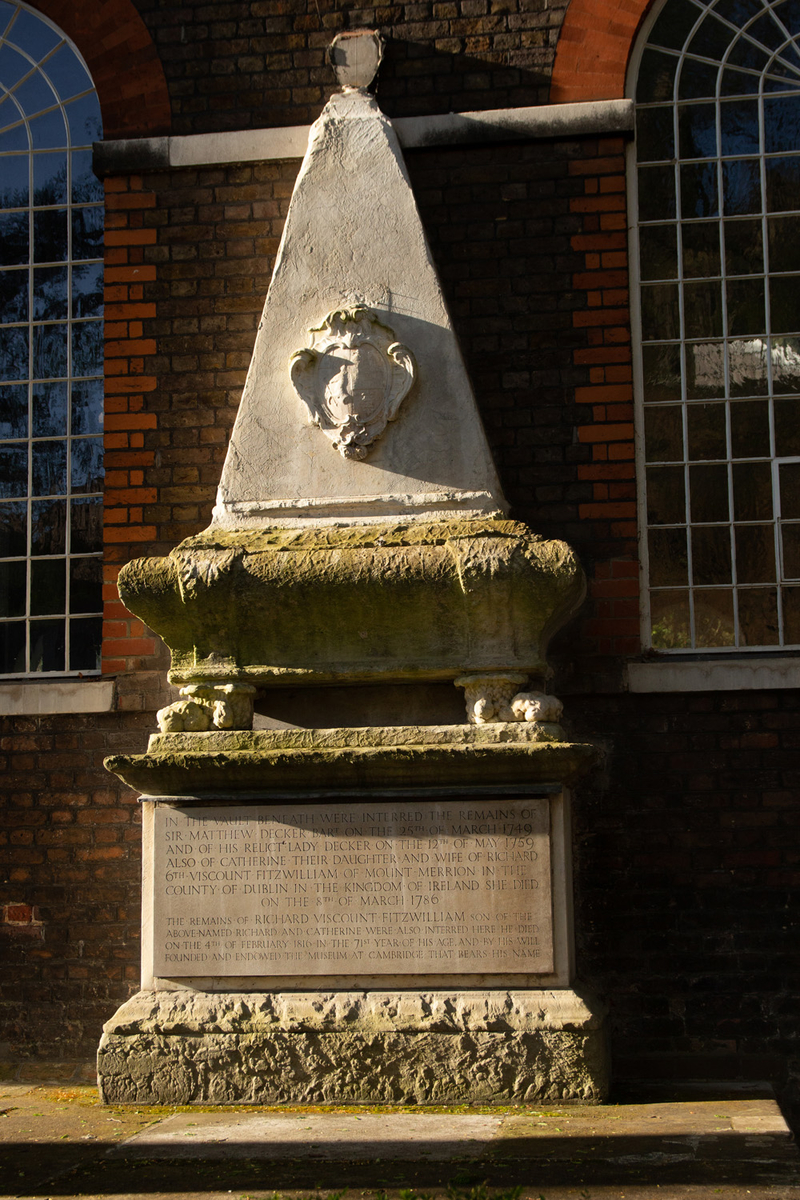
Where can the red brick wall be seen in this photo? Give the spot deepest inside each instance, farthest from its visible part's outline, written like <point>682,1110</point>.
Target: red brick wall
<point>687,874</point>
<point>248,65</point>
<point>594,46</point>
<point>605,420</point>
<point>69,896</point>
<point>123,62</point>
<point>129,485</point>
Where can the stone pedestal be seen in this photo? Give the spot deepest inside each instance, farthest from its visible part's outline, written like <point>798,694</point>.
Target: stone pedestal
<point>357,1047</point>
<point>364,940</point>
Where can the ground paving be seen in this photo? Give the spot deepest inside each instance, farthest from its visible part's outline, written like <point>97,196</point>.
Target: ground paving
<point>59,1142</point>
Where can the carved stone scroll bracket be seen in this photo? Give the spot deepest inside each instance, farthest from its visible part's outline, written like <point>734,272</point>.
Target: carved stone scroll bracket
<point>209,706</point>
<point>496,698</point>
<point>488,697</point>
<point>352,378</point>
<point>543,711</point>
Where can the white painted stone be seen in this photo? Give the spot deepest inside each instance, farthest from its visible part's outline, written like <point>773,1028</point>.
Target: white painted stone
<point>441,129</point>
<point>353,236</point>
<point>745,674</point>
<point>355,57</point>
<point>64,696</point>
<point>247,145</point>
<point>352,376</point>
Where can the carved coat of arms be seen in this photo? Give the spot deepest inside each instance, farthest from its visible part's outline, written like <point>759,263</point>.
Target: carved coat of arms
<point>353,378</point>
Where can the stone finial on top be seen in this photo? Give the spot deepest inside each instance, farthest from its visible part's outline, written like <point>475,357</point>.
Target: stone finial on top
<point>355,58</point>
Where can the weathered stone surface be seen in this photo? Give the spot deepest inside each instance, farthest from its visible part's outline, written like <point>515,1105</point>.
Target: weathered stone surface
<point>406,888</point>
<point>383,602</point>
<point>207,764</point>
<point>435,1047</point>
<point>353,236</point>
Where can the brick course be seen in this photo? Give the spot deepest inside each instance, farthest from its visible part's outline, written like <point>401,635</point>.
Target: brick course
<point>594,47</point>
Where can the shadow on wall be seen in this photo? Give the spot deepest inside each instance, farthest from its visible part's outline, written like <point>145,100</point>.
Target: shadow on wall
<point>417,80</point>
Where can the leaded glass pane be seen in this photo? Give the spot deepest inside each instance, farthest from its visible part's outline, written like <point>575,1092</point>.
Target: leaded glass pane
<point>721,395</point>
<point>663,425</point>
<point>708,439</point>
<point>661,370</point>
<point>51,384</point>
<point>790,550</point>
<point>711,554</point>
<point>708,488</point>
<point>701,249</point>
<point>744,254</point>
<point>669,616</point>
<point>758,616</point>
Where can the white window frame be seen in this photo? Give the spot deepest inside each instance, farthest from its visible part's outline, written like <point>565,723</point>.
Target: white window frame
<point>68,556</point>
<point>780,664</point>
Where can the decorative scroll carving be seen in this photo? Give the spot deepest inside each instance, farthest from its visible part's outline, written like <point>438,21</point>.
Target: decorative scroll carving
<point>209,706</point>
<point>353,378</point>
<point>536,706</point>
<point>488,697</point>
<point>494,698</point>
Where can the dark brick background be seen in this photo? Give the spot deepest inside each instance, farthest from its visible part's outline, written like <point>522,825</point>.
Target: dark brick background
<point>686,851</point>
<point>70,868</point>
<point>254,64</point>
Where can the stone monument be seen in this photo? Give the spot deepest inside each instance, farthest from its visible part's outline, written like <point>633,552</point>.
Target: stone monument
<point>356,818</point>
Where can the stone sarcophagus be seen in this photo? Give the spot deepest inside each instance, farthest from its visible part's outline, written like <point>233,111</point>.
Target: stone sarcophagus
<point>370,901</point>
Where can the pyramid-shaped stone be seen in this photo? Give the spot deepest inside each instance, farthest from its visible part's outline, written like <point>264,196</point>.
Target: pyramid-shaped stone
<point>354,240</point>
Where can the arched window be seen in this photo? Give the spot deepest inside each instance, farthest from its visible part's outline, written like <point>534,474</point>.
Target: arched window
<point>717,248</point>
<point>51,353</point>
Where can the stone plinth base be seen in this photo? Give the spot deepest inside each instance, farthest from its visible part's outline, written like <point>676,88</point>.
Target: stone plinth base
<point>411,1047</point>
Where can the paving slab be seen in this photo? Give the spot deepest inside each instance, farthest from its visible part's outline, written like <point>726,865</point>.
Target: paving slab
<point>331,1136</point>
<point>61,1143</point>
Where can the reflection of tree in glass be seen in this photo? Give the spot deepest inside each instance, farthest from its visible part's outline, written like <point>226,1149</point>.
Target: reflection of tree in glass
<point>50,235</point>
<point>87,289</point>
<point>672,632</point>
<point>86,526</point>
<point>14,239</point>
<point>14,296</point>
<point>48,527</point>
<point>53,190</point>
<point>13,529</point>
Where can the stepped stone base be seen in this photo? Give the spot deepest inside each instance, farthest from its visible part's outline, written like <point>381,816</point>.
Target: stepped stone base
<point>414,1047</point>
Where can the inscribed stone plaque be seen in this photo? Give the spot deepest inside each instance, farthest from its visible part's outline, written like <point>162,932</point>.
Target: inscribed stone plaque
<point>423,887</point>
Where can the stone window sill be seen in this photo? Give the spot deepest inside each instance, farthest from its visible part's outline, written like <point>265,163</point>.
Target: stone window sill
<point>755,674</point>
<point>23,699</point>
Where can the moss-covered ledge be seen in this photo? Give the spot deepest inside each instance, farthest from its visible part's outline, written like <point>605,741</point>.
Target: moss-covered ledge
<point>210,764</point>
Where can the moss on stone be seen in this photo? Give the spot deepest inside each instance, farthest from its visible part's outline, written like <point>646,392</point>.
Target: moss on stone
<point>400,601</point>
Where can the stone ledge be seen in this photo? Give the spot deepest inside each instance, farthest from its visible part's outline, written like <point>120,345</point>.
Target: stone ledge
<point>288,142</point>
<point>183,1012</point>
<point>212,769</point>
<point>56,696</point>
<point>415,1047</point>
<point>367,737</point>
<point>745,674</point>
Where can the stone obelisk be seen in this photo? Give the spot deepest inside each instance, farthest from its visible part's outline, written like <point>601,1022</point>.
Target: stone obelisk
<point>371,901</point>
